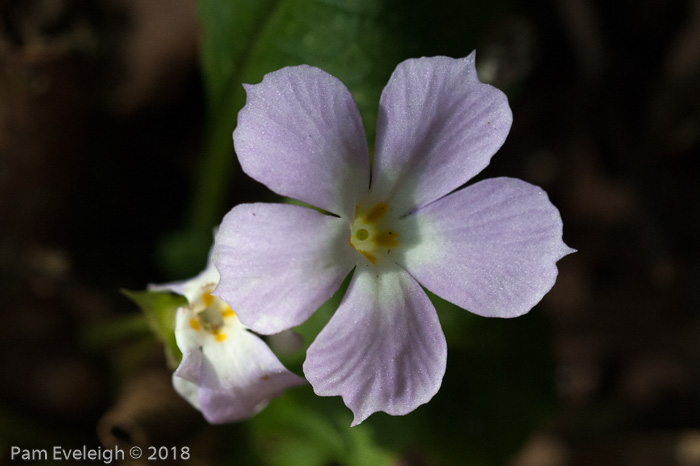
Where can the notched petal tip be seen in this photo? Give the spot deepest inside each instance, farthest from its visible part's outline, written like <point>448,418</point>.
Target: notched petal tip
<point>393,353</point>
<point>438,126</point>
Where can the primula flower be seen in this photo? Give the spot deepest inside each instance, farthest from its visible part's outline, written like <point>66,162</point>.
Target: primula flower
<point>226,372</point>
<point>490,248</point>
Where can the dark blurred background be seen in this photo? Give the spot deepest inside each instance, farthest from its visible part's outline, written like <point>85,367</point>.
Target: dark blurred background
<point>102,121</point>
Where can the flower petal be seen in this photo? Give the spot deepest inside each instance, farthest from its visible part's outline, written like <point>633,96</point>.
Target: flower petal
<point>490,248</point>
<point>191,363</point>
<point>437,127</point>
<point>186,389</point>
<point>239,377</point>
<point>236,376</point>
<point>279,263</point>
<point>383,350</point>
<point>300,133</point>
<point>191,288</point>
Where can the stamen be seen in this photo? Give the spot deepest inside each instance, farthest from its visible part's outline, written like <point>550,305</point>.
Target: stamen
<point>207,299</point>
<point>376,213</point>
<point>210,315</point>
<point>194,323</point>
<point>370,234</point>
<point>369,257</point>
<point>386,238</point>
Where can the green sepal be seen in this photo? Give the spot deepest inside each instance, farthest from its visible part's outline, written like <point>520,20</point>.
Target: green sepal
<point>159,308</point>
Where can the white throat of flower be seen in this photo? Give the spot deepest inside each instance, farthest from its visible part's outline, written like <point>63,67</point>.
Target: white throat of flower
<point>210,314</point>
<point>371,234</point>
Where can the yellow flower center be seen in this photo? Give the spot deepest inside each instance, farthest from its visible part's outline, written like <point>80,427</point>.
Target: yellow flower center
<point>371,235</point>
<point>210,314</point>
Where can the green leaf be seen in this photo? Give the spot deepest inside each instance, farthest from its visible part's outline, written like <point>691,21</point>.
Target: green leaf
<point>159,308</point>
<point>244,39</point>
<point>301,429</point>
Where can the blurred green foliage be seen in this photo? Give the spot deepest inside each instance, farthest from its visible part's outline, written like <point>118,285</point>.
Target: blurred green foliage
<point>159,308</point>
<point>499,382</point>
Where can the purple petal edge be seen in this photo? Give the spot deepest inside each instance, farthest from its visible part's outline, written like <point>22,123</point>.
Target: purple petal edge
<point>490,248</point>
<point>300,133</point>
<point>306,253</point>
<point>438,126</point>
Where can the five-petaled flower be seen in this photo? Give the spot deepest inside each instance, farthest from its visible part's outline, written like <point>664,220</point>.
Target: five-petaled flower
<point>491,248</point>
<point>226,372</point>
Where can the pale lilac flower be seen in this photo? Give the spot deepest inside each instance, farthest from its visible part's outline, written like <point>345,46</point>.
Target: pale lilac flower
<point>490,248</point>
<point>226,372</point>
